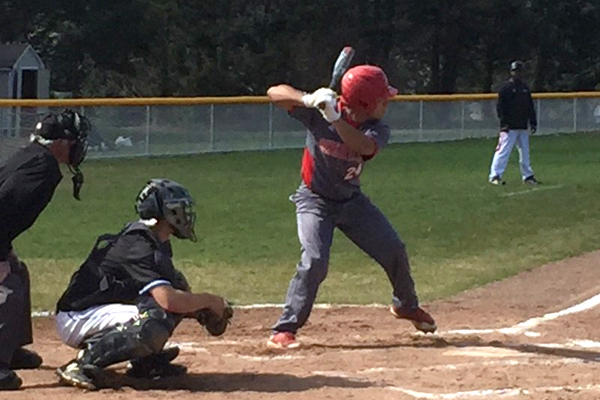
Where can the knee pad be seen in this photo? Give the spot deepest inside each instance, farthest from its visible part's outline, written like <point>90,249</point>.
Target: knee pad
<point>137,338</point>
<point>153,335</point>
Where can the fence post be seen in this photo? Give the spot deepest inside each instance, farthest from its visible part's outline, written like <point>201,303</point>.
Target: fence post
<point>462,119</point>
<point>212,128</point>
<point>574,114</point>
<point>147,150</point>
<point>539,114</point>
<point>421,120</point>
<point>270,125</point>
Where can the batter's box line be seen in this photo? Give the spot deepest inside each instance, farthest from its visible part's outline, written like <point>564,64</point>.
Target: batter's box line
<point>473,394</point>
<point>493,393</point>
<point>323,306</point>
<point>525,326</point>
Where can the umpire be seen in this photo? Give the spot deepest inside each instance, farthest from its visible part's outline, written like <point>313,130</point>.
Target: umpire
<point>27,183</point>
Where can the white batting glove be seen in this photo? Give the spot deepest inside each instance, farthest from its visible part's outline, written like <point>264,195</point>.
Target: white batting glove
<point>329,110</point>
<point>312,100</point>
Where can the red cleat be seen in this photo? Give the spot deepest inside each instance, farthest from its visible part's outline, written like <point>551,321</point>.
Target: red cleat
<point>419,318</point>
<point>283,340</point>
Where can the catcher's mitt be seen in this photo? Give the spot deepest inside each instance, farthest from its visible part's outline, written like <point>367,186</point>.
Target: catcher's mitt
<point>214,324</point>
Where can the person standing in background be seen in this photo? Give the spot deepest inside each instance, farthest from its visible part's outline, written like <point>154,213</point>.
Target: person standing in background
<point>516,113</point>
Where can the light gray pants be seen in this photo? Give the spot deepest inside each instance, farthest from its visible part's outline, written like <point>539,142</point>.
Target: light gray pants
<point>506,142</point>
<point>362,223</point>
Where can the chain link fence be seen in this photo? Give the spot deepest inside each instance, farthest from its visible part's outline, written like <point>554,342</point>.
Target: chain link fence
<point>222,126</point>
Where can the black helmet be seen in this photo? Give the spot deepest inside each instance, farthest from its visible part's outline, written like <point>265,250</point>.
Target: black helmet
<point>168,200</point>
<point>516,65</point>
<point>71,126</point>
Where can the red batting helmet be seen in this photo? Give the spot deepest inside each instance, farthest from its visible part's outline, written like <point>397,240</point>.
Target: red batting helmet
<point>363,86</point>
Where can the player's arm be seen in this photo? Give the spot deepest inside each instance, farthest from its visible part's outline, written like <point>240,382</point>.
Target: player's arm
<point>285,96</point>
<point>501,107</point>
<point>180,302</point>
<point>354,138</point>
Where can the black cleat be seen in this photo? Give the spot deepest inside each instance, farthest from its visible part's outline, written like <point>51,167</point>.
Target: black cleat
<point>81,376</point>
<point>9,380</point>
<point>25,359</point>
<point>531,181</point>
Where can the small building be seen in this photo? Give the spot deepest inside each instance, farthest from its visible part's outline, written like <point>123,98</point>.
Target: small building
<point>23,74</point>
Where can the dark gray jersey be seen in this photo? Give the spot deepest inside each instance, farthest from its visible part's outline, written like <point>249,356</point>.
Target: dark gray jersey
<point>329,167</point>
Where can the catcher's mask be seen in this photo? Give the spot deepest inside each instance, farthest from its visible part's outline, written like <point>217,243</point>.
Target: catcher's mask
<point>168,200</point>
<point>71,126</point>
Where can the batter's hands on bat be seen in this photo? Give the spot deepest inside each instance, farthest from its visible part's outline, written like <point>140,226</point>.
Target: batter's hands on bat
<point>312,100</point>
<point>329,110</point>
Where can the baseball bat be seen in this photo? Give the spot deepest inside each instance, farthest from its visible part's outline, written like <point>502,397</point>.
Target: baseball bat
<point>339,68</point>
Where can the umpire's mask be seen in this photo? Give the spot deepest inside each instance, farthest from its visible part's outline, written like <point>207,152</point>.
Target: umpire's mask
<point>73,127</point>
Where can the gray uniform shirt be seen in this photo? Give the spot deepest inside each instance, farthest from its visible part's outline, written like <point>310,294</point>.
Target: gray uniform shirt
<point>329,167</point>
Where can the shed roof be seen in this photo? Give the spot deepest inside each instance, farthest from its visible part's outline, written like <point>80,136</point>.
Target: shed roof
<point>10,53</point>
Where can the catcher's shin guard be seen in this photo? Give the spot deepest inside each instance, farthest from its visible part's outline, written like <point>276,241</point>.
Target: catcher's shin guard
<point>137,338</point>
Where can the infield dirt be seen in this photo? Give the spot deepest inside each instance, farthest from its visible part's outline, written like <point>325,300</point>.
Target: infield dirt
<point>364,353</point>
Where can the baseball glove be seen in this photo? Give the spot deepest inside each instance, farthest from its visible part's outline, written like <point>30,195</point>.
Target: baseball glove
<point>214,324</point>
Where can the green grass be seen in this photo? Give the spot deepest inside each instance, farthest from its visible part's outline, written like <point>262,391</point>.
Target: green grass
<point>460,231</point>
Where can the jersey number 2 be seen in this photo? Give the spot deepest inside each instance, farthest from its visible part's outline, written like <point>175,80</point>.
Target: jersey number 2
<point>353,172</point>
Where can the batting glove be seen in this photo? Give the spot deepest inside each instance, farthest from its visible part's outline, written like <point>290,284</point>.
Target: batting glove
<point>312,100</point>
<point>329,109</point>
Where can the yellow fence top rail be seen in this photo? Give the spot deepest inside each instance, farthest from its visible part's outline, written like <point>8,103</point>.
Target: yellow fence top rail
<point>187,101</point>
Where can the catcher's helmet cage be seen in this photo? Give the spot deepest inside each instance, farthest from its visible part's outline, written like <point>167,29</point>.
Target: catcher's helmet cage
<point>363,85</point>
<point>166,199</point>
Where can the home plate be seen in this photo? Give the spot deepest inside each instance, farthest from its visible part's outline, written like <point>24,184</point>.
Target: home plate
<point>484,352</point>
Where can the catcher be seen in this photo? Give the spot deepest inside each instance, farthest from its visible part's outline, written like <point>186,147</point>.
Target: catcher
<point>126,299</point>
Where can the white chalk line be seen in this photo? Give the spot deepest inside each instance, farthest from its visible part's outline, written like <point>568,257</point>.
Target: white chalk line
<point>573,343</point>
<point>525,326</point>
<point>325,306</point>
<point>528,191</point>
<point>480,393</point>
<point>507,392</point>
<point>459,366</point>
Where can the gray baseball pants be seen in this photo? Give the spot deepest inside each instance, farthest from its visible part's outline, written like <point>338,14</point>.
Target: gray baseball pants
<point>365,225</point>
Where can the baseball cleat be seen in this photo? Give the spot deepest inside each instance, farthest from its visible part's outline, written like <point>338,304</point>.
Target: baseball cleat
<point>9,380</point>
<point>531,181</point>
<point>156,366</point>
<point>419,318</point>
<point>75,374</point>
<point>497,181</point>
<point>25,359</point>
<point>283,340</point>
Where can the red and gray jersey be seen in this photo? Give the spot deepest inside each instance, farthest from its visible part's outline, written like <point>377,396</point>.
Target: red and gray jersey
<point>329,167</point>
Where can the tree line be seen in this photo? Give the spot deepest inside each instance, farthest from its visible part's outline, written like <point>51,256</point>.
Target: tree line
<point>240,47</point>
